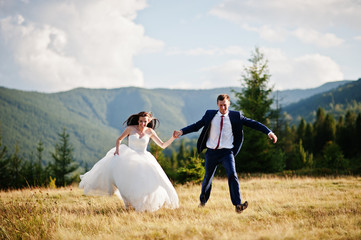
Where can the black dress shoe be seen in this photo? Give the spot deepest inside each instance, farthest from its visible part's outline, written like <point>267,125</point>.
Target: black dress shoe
<point>241,207</point>
<point>203,201</point>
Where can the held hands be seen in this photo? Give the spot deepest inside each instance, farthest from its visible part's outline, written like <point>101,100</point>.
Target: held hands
<point>176,133</point>
<point>273,137</point>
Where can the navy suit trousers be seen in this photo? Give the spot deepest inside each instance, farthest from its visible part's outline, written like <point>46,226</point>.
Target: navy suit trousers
<point>213,159</point>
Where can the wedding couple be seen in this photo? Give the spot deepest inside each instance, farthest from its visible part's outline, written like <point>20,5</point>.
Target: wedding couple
<point>134,174</point>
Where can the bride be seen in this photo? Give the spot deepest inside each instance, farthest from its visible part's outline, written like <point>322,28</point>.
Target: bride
<point>131,171</point>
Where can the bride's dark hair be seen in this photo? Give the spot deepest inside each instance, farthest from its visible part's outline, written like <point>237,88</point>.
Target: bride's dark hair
<point>133,119</point>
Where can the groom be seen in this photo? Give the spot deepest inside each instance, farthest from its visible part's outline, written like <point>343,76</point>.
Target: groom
<point>222,135</point>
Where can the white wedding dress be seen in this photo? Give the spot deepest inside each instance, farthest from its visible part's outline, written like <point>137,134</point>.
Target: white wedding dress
<point>137,175</point>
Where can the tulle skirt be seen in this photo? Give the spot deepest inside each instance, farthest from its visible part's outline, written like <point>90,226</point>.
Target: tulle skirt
<point>141,181</point>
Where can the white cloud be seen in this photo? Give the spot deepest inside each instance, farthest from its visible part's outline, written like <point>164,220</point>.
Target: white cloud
<point>316,14</point>
<point>213,51</point>
<point>223,75</point>
<point>275,20</point>
<point>314,37</point>
<point>269,33</point>
<point>316,69</point>
<point>306,35</point>
<point>61,45</point>
<point>227,74</point>
<point>306,71</point>
<point>357,38</point>
<point>183,85</point>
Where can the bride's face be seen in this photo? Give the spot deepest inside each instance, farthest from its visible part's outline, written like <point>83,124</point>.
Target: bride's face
<point>143,122</point>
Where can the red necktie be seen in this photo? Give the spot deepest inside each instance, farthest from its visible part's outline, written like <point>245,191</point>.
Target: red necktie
<point>220,132</point>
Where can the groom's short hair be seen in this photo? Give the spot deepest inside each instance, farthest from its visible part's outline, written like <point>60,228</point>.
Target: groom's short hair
<point>222,97</point>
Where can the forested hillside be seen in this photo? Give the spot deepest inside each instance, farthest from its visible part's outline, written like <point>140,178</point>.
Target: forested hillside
<point>93,117</point>
<point>286,97</point>
<point>336,101</point>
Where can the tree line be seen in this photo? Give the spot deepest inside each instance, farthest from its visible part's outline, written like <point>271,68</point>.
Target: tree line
<point>31,171</point>
<point>326,144</point>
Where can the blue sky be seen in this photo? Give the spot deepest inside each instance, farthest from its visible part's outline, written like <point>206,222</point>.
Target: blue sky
<point>53,45</point>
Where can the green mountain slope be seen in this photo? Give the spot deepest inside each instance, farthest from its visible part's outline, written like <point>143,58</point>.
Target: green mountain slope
<point>287,97</point>
<point>27,117</point>
<point>337,101</point>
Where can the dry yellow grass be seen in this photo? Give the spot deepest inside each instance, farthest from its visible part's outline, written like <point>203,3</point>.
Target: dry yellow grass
<point>279,208</point>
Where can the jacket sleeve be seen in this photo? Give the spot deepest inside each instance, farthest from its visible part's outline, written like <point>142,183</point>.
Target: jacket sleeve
<point>195,126</point>
<point>254,124</point>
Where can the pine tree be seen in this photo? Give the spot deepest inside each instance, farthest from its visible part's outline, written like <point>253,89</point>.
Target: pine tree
<point>325,130</point>
<point>358,134</point>
<point>255,103</point>
<point>64,163</point>
<point>38,165</point>
<point>287,143</point>
<point>276,120</point>
<point>301,130</point>
<point>346,137</point>
<point>254,100</point>
<point>301,158</point>
<point>319,138</point>
<point>356,161</point>
<point>333,158</point>
<point>308,138</point>
<point>4,166</point>
<point>174,160</point>
<point>28,171</point>
<point>193,171</point>
<point>330,128</point>
<point>15,164</point>
<point>182,155</point>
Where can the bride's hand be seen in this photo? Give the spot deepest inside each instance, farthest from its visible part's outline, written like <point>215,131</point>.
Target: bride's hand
<point>176,134</point>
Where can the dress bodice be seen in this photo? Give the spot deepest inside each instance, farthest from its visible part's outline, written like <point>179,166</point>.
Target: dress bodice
<point>138,144</point>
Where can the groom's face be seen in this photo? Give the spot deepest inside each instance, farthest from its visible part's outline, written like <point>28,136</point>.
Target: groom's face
<point>223,106</point>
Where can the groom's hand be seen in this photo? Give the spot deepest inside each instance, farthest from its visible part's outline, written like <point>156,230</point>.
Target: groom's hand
<point>273,137</point>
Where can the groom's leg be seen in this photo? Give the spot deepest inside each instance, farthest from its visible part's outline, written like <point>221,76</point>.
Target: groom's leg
<point>229,164</point>
<point>210,168</point>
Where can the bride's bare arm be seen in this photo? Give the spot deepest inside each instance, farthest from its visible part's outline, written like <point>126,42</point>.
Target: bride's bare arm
<point>125,133</point>
<point>159,142</point>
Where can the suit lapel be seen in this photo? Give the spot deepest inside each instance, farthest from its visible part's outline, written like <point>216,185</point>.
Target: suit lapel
<point>202,140</point>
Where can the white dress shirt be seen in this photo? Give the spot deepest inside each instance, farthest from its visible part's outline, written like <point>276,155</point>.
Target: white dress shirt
<point>226,136</point>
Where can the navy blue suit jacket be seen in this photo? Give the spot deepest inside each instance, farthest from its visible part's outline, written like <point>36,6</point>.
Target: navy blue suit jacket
<point>237,122</point>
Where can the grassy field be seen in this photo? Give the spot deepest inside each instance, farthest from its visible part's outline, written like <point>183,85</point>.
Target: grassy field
<point>279,208</point>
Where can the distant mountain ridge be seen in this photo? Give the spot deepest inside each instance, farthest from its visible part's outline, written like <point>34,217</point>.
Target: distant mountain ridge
<point>94,117</point>
<point>332,101</point>
<point>289,96</point>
